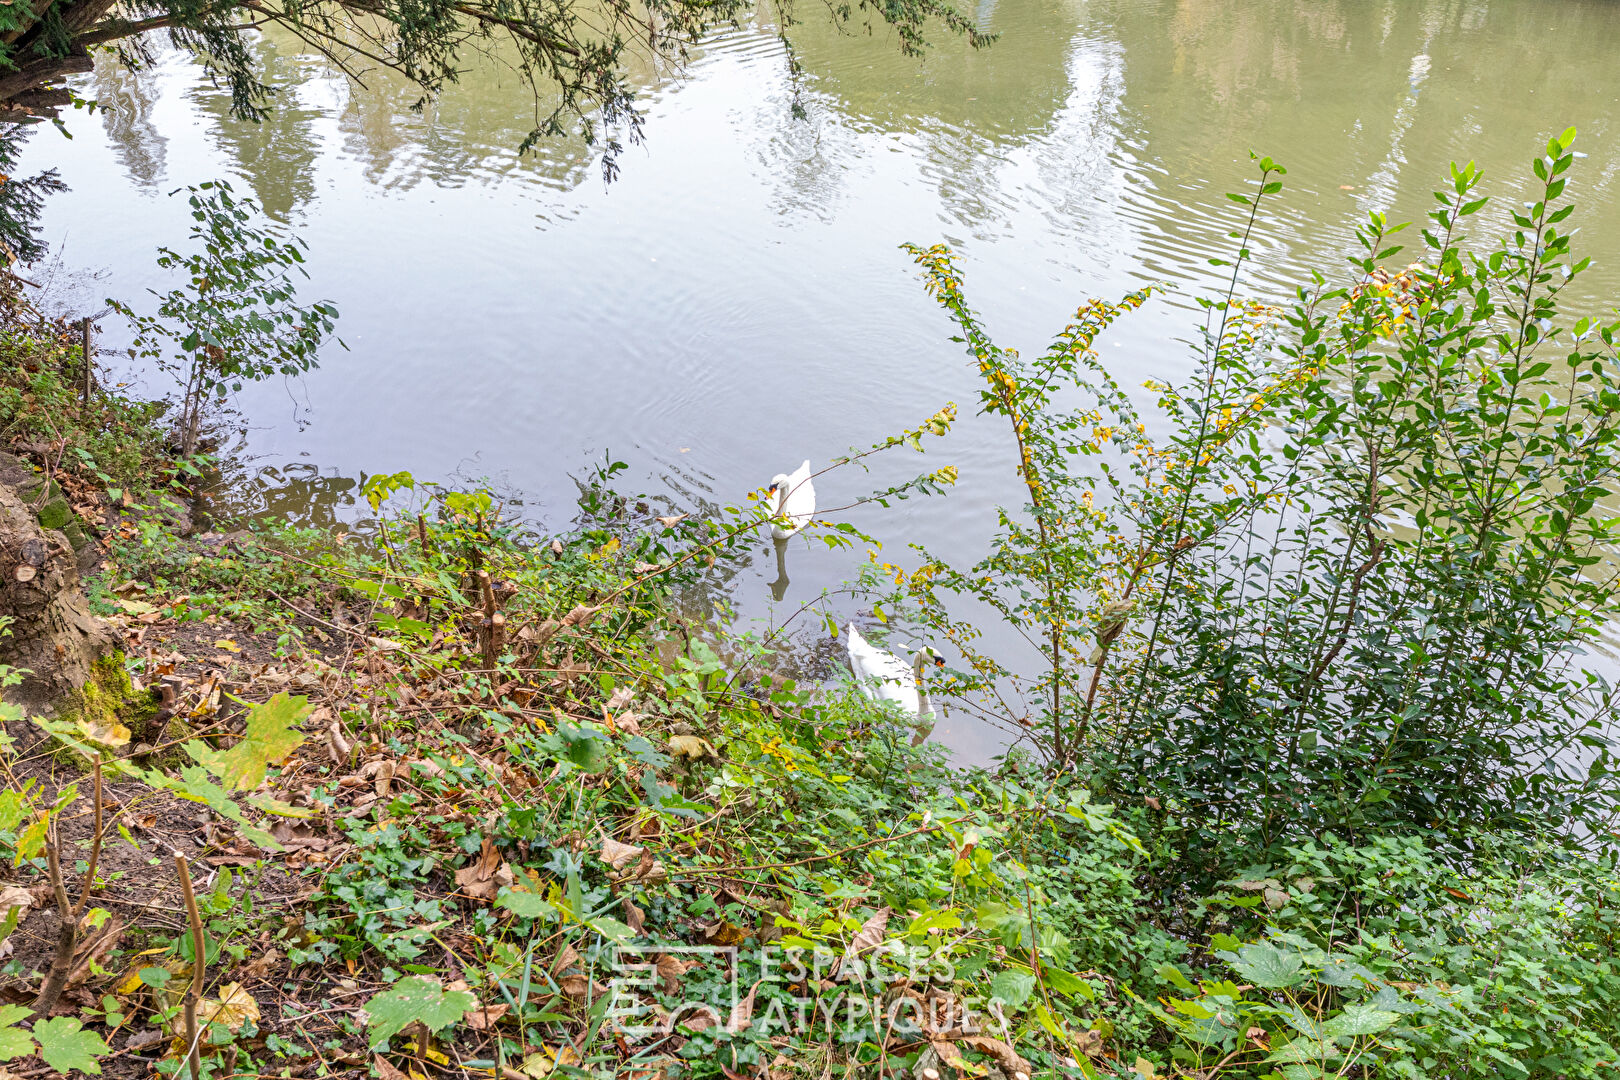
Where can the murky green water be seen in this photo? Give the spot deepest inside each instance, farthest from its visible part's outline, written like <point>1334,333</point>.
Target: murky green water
<point>736,301</point>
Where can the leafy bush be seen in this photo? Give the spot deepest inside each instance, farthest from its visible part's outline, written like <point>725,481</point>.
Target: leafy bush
<point>237,318</point>
<point>1506,969</point>
<point>1350,589</point>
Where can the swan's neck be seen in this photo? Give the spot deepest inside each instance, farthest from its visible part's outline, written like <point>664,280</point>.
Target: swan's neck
<point>919,668</point>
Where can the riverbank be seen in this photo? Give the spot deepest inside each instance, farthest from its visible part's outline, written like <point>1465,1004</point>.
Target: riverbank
<point>511,760</point>
<point>458,799</point>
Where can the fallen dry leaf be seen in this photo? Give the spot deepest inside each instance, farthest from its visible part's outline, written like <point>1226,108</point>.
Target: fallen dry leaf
<point>94,948</point>
<point>234,1008</point>
<point>566,958</point>
<point>724,934</point>
<point>386,1071</point>
<point>385,778</point>
<point>871,933</point>
<point>742,1014</point>
<point>486,1016</point>
<point>672,969</point>
<point>634,917</point>
<point>1005,1055</point>
<point>617,855</point>
<point>15,896</point>
<point>486,875</point>
<point>106,731</point>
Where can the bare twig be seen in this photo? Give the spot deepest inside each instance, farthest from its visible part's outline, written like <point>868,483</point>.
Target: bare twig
<point>199,961</point>
<point>71,915</point>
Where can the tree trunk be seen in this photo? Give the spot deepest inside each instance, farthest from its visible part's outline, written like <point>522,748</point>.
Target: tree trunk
<point>51,632</point>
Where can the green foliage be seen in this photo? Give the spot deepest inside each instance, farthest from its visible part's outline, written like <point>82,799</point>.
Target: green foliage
<point>111,443</point>
<point>14,1041</point>
<point>416,1000</point>
<point>1350,589</point>
<point>237,319</point>
<point>253,578</point>
<point>22,199</point>
<point>272,733</point>
<point>1503,969</point>
<point>65,1045</point>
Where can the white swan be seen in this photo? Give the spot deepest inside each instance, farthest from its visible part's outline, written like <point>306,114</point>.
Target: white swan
<point>793,501</point>
<point>883,676</point>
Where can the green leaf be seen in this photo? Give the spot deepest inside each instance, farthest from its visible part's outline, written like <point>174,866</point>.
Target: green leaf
<point>1302,1050</point>
<point>272,733</point>
<point>1172,974</point>
<point>941,919</point>
<point>31,844</point>
<point>66,1046</point>
<point>612,929</point>
<point>1013,987</point>
<point>415,999</point>
<point>14,1042</point>
<point>197,785</point>
<point>1359,1020</point>
<point>13,808</point>
<point>526,904</point>
<point>588,745</point>
<point>1069,985</point>
<point>1267,966</point>
<point>1303,1072</point>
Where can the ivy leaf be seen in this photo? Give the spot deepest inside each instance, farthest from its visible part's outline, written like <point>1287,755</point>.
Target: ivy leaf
<point>14,1042</point>
<point>65,1045</point>
<point>413,999</point>
<point>525,904</point>
<point>272,733</point>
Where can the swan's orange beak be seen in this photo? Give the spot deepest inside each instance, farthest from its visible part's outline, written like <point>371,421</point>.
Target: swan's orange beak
<point>939,661</point>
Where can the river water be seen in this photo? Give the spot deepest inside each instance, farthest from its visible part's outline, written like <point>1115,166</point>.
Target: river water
<point>736,301</point>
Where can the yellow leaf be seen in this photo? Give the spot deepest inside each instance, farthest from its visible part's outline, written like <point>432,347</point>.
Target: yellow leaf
<point>691,746</point>
<point>234,1007</point>
<point>107,732</point>
<point>228,645</point>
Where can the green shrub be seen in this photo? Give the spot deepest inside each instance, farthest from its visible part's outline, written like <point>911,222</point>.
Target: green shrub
<point>1506,969</point>
<point>1350,589</point>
